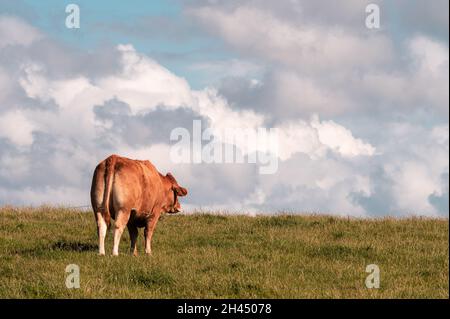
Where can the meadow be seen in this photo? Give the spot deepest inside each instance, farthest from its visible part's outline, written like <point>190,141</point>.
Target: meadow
<point>224,256</point>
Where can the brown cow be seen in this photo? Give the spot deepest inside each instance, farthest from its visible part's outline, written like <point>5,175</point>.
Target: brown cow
<point>134,194</point>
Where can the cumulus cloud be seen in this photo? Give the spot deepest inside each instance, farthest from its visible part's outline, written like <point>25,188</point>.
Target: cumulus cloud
<point>58,121</point>
<point>123,113</point>
<point>14,31</point>
<point>319,60</point>
<point>143,86</point>
<point>260,32</point>
<point>10,121</point>
<point>315,138</point>
<point>411,176</point>
<point>340,139</point>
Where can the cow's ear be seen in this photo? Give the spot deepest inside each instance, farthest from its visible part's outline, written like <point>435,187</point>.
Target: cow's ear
<point>171,178</point>
<point>181,191</point>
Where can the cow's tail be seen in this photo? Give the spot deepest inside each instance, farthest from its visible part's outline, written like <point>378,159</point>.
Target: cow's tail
<point>109,175</point>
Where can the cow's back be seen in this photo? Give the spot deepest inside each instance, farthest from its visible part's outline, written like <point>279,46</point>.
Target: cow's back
<point>136,186</point>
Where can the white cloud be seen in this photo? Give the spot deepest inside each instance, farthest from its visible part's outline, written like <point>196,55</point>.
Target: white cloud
<point>414,165</point>
<point>214,107</point>
<point>75,121</point>
<point>233,68</point>
<point>306,47</point>
<point>14,167</point>
<point>423,84</point>
<point>5,84</point>
<point>145,85</point>
<point>441,134</point>
<point>304,95</point>
<point>17,128</point>
<point>431,56</point>
<point>412,187</point>
<point>14,31</point>
<point>323,162</point>
<point>431,80</point>
<point>332,69</point>
<point>316,137</point>
<point>315,185</point>
<point>66,196</point>
<point>341,140</point>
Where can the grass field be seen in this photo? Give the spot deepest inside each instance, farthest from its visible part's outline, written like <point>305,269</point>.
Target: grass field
<point>212,256</point>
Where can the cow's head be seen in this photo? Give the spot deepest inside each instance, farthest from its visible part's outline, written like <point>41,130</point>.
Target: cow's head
<point>172,192</point>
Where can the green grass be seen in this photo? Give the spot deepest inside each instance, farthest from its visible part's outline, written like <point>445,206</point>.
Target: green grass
<point>211,256</point>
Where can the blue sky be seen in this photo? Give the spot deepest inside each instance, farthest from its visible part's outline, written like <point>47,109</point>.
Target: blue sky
<point>106,23</point>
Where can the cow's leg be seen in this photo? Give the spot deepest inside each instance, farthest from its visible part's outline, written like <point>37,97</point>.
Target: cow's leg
<point>101,231</point>
<point>133,238</point>
<point>148,234</point>
<point>121,221</point>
